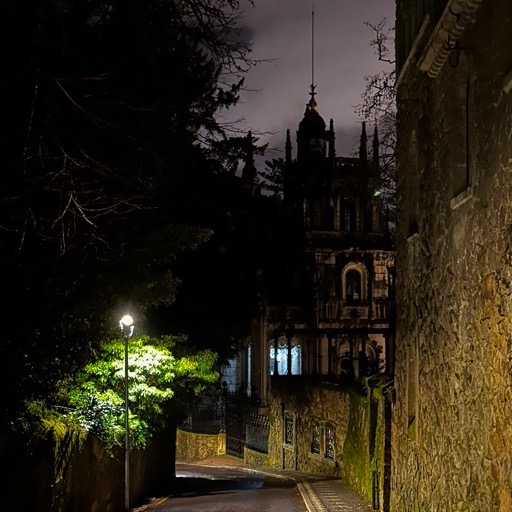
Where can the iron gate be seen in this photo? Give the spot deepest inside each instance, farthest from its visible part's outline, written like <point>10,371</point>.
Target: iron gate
<point>236,408</point>
<point>235,415</point>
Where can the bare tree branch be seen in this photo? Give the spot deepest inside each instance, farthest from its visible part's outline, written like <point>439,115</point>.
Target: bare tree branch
<point>379,104</point>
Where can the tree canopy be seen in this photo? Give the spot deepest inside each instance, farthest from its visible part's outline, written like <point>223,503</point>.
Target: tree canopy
<point>162,379</point>
<point>107,155</point>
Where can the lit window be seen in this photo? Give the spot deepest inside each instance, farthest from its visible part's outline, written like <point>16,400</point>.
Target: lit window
<point>353,286</point>
<point>282,359</point>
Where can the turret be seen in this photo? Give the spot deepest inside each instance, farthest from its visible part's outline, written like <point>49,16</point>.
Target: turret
<point>332,137</point>
<point>288,149</point>
<point>375,155</point>
<point>312,135</point>
<point>363,145</point>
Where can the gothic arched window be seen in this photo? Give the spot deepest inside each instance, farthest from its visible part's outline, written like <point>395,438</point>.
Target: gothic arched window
<point>349,214</point>
<point>318,217</point>
<point>353,286</point>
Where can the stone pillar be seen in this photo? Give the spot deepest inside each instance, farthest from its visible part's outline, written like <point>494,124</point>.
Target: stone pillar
<point>276,341</point>
<point>319,355</point>
<point>259,366</point>
<point>289,354</point>
<point>329,355</point>
<point>389,347</point>
<point>354,354</point>
<point>313,343</point>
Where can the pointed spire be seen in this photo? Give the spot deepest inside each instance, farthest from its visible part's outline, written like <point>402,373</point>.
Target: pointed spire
<point>288,148</point>
<point>363,145</point>
<point>375,155</point>
<point>332,137</point>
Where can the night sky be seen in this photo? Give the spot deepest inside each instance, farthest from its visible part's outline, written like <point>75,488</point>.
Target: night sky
<point>279,90</point>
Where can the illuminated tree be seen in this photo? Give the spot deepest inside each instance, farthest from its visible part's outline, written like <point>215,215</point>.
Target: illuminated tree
<point>162,378</point>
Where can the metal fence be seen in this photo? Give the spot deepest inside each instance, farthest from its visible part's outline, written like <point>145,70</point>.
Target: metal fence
<point>257,427</point>
<point>204,419</point>
<point>233,414</point>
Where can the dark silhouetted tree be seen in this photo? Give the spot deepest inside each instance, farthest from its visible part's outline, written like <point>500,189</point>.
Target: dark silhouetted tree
<point>274,174</point>
<point>106,155</point>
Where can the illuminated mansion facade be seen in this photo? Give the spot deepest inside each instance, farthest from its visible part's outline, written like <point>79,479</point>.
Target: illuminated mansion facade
<point>324,314</point>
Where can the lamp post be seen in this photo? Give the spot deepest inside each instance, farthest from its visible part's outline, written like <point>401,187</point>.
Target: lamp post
<point>127,326</point>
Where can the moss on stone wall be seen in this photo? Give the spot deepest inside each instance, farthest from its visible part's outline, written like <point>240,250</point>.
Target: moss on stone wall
<point>358,420</point>
<point>363,450</point>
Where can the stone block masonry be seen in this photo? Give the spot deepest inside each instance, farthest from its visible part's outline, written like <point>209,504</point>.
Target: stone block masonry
<point>452,434</point>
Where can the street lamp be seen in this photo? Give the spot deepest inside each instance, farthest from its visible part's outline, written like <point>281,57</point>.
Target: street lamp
<point>126,324</point>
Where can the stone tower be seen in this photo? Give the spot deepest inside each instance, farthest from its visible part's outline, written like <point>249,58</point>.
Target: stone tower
<point>324,316</point>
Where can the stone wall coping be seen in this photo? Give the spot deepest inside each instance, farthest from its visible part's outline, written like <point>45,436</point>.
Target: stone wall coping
<point>456,16</point>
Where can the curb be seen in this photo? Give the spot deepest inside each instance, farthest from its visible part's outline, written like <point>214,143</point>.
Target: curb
<point>310,499</point>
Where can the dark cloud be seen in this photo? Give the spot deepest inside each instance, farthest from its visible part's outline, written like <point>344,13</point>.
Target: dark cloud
<point>278,88</point>
<point>246,34</point>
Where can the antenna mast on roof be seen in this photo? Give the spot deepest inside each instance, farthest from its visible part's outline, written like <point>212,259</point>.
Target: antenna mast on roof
<point>312,102</point>
<point>313,44</point>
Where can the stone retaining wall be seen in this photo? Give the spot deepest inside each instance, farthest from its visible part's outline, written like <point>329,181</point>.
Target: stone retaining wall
<point>452,434</point>
<point>192,447</point>
<point>257,459</point>
<point>72,472</point>
<point>358,423</point>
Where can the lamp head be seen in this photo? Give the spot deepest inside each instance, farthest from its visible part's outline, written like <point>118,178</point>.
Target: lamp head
<point>126,321</point>
<point>126,324</point>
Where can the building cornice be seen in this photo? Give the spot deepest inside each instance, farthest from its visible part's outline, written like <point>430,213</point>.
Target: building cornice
<point>455,18</point>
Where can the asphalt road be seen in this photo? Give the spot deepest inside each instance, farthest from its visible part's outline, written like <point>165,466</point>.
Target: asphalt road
<point>220,489</point>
